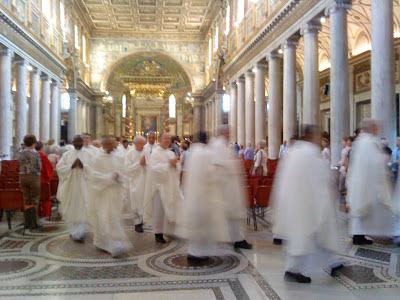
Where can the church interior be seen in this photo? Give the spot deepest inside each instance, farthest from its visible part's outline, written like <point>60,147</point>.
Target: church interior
<point>125,68</point>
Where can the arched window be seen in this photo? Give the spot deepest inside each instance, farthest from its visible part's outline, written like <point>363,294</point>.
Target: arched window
<point>209,52</point>
<point>65,101</point>
<point>228,20</point>
<point>226,103</point>
<point>240,11</point>
<point>124,106</point>
<point>172,107</point>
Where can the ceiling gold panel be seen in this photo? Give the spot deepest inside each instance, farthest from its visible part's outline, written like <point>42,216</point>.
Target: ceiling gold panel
<point>149,15</point>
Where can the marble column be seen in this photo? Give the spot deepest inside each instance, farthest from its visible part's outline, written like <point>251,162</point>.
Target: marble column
<point>72,130</point>
<point>275,106</point>
<point>99,118</point>
<point>34,104</point>
<point>179,121</point>
<point>207,127</point>
<point>45,109</point>
<point>54,111</point>
<point>196,118</point>
<point>88,117</point>
<point>289,89</point>
<point>241,133</point>
<point>311,94</point>
<point>5,102</point>
<point>249,79</point>
<point>218,112</point>
<point>21,103</point>
<point>233,113</point>
<point>118,120</point>
<point>382,68</point>
<point>212,118</point>
<point>340,84</point>
<point>261,108</point>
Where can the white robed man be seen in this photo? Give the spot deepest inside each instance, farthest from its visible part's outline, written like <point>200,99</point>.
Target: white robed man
<point>368,188</point>
<point>123,148</point>
<point>135,169</point>
<point>163,196</point>
<point>87,144</point>
<point>72,191</point>
<point>303,209</point>
<point>106,197</point>
<point>229,171</point>
<point>151,142</point>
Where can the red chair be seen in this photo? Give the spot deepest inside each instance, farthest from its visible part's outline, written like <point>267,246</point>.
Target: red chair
<point>252,205</point>
<point>11,185</point>
<point>12,200</point>
<point>9,165</point>
<point>44,209</point>
<point>262,195</point>
<point>268,181</point>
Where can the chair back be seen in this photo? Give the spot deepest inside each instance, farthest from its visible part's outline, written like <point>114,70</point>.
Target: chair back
<point>9,166</point>
<point>250,196</point>
<point>263,194</point>
<point>11,200</point>
<point>44,191</point>
<point>11,185</point>
<point>268,181</point>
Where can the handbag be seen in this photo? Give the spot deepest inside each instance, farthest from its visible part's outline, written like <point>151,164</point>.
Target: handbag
<point>259,171</point>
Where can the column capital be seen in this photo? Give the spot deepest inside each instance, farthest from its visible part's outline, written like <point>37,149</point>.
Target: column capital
<point>311,27</point>
<point>35,71</point>
<point>290,43</point>
<point>233,84</point>
<point>20,62</point>
<point>249,74</point>
<point>240,80</point>
<point>337,5</point>
<point>6,52</point>
<point>261,66</point>
<point>45,77</point>
<point>55,83</point>
<point>274,55</point>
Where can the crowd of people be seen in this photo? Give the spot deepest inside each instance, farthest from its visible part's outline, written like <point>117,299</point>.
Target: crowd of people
<point>195,191</point>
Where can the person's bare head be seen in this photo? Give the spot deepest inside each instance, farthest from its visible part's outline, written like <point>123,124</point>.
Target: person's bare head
<point>108,143</point>
<point>370,126</point>
<point>311,134</point>
<point>165,140</point>
<point>151,137</point>
<point>139,142</point>
<point>87,138</point>
<point>50,142</point>
<point>96,143</point>
<point>284,143</point>
<point>78,142</point>
<point>125,143</point>
<point>223,130</point>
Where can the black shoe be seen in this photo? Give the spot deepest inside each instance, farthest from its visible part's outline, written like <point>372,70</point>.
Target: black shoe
<point>197,259</point>
<point>160,238</point>
<point>37,227</point>
<point>139,227</point>
<point>336,269</point>
<point>81,240</point>
<point>296,277</point>
<point>243,244</point>
<point>277,242</point>
<point>361,240</point>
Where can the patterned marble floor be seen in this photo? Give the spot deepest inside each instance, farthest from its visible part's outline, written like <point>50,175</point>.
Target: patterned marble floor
<point>48,265</point>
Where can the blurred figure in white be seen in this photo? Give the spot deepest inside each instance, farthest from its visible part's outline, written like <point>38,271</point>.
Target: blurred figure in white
<point>213,175</point>
<point>106,200</point>
<point>304,213</point>
<point>163,195</point>
<point>63,147</point>
<point>135,169</point>
<point>151,142</point>
<point>283,149</point>
<point>54,156</point>
<point>369,192</point>
<point>123,149</point>
<point>72,191</point>
<point>260,160</point>
<point>87,144</point>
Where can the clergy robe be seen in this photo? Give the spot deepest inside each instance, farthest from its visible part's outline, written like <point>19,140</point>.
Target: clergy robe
<point>228,175</point>
<point>136,174</point>
<point>163,195</point>
<point>150,148</point>
<point>106,202</point>
<point>368,192</point>
<point>203,217</point>
<point>303,207</point>
<point>73,191</point>
<point>92,149</point>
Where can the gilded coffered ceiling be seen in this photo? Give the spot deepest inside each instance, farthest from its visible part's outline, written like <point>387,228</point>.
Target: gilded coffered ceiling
<point>152,16</point>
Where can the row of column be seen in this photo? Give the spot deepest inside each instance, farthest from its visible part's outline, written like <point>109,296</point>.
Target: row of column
<point>213,114</point>
<point>41,117</point>
<point>80,115</point>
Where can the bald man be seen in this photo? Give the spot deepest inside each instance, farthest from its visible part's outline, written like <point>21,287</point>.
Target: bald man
<point>164,196</point>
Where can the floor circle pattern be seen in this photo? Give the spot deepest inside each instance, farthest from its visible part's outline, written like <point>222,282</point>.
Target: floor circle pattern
<point>14,265</point>
<point>178,264</point>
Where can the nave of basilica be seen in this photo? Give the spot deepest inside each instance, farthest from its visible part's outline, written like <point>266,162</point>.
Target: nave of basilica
<point>100,91</point>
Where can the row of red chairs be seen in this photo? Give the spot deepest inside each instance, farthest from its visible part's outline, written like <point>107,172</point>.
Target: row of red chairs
<point>259,198</point>
<point>9,166</point>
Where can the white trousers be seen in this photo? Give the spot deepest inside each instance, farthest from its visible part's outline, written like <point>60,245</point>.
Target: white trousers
<point>158,214</point>
<point>77,230</point>
<point>307,263</point>
<point>237,230</point>
<point>137,219</point>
